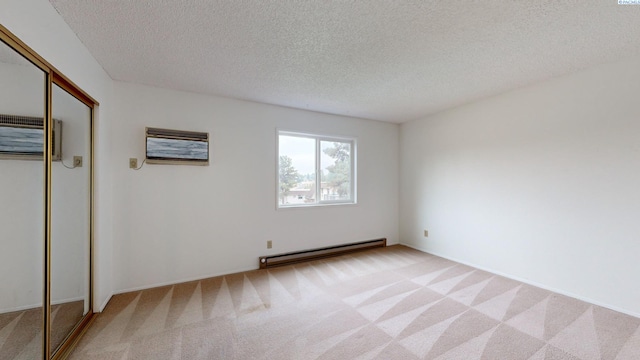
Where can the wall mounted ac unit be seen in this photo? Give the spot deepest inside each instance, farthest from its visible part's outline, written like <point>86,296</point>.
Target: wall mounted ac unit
<point>164,146</point>
<point>22,138</point>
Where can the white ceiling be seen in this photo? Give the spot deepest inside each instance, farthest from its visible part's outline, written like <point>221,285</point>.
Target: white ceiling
<point>386,60</point>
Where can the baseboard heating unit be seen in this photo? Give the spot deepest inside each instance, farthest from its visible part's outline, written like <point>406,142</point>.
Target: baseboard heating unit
<point>308,255</point>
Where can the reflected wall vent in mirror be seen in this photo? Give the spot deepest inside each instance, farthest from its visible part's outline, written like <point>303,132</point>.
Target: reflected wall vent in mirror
<point>164,146</point>
<point>22,138</point>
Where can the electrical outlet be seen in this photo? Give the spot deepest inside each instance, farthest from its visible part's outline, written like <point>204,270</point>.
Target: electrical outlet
<point>269,244</point>
<point>133,163</point>
<point>77,161</point>
<point>426,233</point>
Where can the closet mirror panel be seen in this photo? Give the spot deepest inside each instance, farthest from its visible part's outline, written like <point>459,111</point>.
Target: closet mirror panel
<point>70,216</point>
<point>22,179</point>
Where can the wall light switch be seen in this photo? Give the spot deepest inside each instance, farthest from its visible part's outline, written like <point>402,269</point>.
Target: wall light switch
<point>133,163</point>
<point>426,233</point>
<point>77,161</point>
<point>269,244</point>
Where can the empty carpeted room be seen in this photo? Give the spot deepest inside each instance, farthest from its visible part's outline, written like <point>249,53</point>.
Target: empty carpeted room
<point>319,179</point>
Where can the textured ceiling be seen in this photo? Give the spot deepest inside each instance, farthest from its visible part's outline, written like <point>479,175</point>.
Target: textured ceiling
<point>386,60</point>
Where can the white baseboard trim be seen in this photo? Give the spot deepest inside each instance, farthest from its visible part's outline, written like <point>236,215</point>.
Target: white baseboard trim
<point>37,306</point>
<point>20,308</point>
<point>197,278</point>
<point>529,282</point>
<point>63,301</point>
<point>104,304</point>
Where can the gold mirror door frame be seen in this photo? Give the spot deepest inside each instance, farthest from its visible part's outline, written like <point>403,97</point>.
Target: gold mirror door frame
<point>53,76</point>
<point>71,224</point>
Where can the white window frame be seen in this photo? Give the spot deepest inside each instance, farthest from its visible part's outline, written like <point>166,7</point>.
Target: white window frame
<point>318,139</point>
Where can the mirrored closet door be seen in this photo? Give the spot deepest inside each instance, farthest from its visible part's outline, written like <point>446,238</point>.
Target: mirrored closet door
<point>22,181</point>
<point>46,206</point>
<point>70,216</point>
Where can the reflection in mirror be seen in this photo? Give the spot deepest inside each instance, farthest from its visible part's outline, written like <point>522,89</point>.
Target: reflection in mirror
<point>70,217</point>
<point>22,93</point>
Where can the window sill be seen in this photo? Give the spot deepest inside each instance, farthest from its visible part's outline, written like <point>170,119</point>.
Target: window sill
<point>322,205</point>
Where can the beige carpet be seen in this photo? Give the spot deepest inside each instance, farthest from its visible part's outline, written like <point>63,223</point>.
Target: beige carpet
<point>392,303</point>
<point>21,331</point>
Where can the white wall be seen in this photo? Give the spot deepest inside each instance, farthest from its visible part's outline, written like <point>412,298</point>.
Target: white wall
<point>38,24</point>
<point>177,223</point>
<point>541,184</point>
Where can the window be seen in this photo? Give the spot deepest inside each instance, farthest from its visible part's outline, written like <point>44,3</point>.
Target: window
<point>315,170</point>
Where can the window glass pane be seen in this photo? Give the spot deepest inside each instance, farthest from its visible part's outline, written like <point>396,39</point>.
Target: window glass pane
<point>297,175</point>
<point>335,164</point>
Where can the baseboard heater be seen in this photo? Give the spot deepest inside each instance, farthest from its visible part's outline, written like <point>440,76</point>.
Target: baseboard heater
<point>307,255</point>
